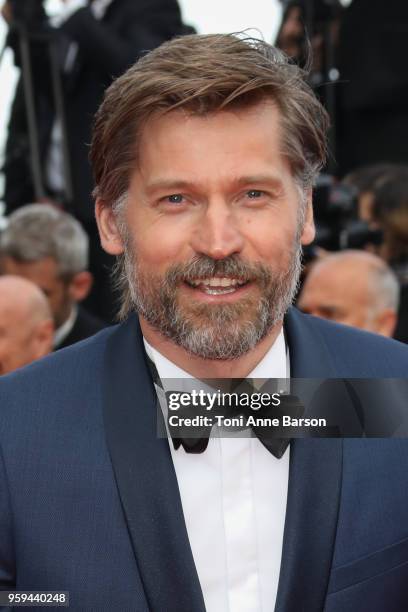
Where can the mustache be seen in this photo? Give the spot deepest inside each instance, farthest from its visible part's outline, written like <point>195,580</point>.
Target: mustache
<point>203,266</point>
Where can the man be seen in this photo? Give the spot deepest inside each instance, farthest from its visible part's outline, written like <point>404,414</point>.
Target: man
<point>50,248</point>
<point>204,154</point>
<point>355,288</point>
<point>389,214</point>
<point>364,181</point>
<point>26,326</point>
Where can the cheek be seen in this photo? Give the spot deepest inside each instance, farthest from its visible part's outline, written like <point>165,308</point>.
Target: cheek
<point>270,240</point>
<point>12,349</point>
<point>54,301</point>
<point>158,252</point>
<point>161,243</point>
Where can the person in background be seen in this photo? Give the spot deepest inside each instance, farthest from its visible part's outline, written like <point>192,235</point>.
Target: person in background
<point>50,248</point>
<point>390,215</point>
<point>372,99</point>
<point>96,40</point>
<point>306,27</point>
<point>355,288</point>
<point>26,325</point>
<point>291,35</point>
<point>365,180</point>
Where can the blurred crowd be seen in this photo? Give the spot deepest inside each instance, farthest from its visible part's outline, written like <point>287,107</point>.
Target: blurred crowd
<point>54,285</point>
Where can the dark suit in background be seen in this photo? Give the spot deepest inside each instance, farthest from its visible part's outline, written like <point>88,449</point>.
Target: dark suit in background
<point>85,325</point>
<point>401,331</point>
<point>105,49</point>
<point>89,500</point>
<point>373,89</point>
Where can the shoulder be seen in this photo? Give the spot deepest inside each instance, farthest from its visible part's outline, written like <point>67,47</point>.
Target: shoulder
<point>68,375</point>
<point>361,341</point>
<point>359,352</point>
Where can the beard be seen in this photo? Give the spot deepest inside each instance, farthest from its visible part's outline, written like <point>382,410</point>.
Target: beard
<point>210,331</point>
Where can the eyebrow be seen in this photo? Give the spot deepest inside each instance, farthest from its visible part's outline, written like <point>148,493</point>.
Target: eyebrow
<point>179,184</point>
<point>266,179</point>
<point>168,185</point>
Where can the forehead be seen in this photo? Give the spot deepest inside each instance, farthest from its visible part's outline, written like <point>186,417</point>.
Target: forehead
<point>342,283</point>
<point>12,310</point>
<point>215,146</point>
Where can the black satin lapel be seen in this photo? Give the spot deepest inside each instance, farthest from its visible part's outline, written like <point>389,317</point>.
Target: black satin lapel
<point>314,488</point>
<point>146,479</point>
<point>310,525</point>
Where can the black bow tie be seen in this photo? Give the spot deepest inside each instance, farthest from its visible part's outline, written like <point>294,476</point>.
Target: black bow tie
<point>276,446</point>
<point>270,439</point>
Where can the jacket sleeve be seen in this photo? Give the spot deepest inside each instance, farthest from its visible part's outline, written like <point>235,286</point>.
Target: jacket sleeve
<point>7,556</point>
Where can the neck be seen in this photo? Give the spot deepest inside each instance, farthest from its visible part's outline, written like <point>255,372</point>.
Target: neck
<point>209,368</point>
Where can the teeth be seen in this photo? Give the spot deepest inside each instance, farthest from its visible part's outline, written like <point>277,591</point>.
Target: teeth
<point>219,291</point>
<point>217,282</point>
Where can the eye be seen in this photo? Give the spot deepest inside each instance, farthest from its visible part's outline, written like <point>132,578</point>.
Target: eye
<point>255,194</point>
<point>174,203</point>
<point>174,198</point>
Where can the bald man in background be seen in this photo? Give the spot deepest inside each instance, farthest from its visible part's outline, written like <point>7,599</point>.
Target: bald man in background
<point>26,325</point>
<point>354,288</point>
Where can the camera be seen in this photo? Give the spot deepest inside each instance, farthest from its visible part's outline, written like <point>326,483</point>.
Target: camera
<point>336,217</point>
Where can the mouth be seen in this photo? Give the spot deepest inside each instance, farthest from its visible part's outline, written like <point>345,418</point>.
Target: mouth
<point>217,285</point>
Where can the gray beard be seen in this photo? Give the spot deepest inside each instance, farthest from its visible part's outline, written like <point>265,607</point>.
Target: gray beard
<point>210,331</point>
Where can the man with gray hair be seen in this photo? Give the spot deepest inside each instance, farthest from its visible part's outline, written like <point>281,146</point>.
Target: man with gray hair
<point>204,156</point>
<point>355,288</point>
<point>50,248</point>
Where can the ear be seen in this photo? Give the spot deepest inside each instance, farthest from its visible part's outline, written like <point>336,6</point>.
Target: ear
<point>108,230</point>
<point>309,230</point>
<point>386,322</point>
<point>80,286</point>
<point>44,338</point>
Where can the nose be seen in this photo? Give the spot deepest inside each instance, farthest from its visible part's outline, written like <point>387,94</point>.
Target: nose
<point>217,234</point>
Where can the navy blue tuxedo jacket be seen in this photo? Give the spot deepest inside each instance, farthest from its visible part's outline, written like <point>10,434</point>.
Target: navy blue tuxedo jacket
<point>89,501</point>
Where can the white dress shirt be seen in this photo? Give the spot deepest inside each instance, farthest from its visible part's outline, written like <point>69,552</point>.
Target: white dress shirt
<point>66,328</point>
<point>234,503</point>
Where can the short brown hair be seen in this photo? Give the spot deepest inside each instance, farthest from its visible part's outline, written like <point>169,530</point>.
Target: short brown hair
<point>203,74</point>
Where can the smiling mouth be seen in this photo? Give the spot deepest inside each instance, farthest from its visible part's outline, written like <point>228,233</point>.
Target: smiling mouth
<point>217,285</point>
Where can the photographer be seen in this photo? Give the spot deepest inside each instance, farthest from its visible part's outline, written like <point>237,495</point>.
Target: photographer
<point>94,41</point>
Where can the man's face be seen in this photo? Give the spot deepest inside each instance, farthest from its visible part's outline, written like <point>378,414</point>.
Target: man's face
<point>339,293</point>
<point>17,338</point>
<point>214,229</point>
<point>44,274</point>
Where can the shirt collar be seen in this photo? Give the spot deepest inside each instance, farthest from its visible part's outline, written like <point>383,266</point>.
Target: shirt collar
<point>65,329</point>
